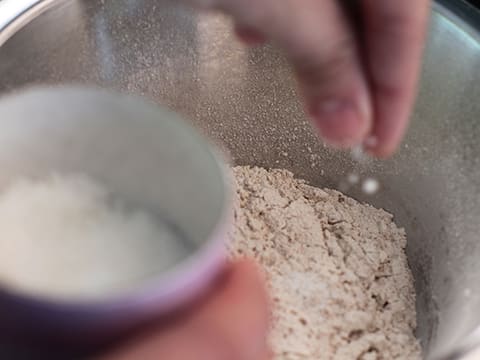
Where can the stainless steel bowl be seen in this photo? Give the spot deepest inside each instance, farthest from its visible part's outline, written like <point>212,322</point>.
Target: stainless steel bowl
<point>245,100</point>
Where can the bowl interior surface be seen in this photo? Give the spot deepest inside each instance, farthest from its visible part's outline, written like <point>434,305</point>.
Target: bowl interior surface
<point>245,100</point>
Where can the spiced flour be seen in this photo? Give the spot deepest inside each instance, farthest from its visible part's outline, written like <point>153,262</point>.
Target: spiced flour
<point>336,269</point>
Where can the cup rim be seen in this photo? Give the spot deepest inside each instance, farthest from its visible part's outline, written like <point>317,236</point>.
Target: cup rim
<point>164,291</point>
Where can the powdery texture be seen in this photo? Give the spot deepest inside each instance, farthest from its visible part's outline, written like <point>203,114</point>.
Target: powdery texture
<point>337,271</point>
<point>63,237</point>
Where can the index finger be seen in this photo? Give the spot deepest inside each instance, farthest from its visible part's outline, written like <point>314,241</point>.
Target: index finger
<point>394,35</point>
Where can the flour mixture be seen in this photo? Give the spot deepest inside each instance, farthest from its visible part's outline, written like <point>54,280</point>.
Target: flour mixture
<point>337,271</point>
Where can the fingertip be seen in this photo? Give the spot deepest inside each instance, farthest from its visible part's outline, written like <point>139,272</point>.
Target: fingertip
<point>233,323</point>
<point>393,115</point>
<point>340,122</point>
<point>381,152</point>
<point>246,284</point>
<point>394,39</point>
<point>246,269</point>
<point>383,149</point>
<point>388,135</point>
<point>239,315</point>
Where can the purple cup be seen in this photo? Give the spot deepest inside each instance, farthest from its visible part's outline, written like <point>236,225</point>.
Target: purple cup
<point>147,155</point>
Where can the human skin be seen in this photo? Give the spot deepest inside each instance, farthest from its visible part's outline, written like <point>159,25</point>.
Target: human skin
<point>359,86</point>
<point>358,81</point>
<point>230,325</point>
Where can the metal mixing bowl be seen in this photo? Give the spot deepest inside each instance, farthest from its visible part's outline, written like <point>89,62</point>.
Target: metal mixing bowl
<point>245,100</point>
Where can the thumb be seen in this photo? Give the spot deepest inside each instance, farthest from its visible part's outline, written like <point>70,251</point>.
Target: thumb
<point>231,326</point>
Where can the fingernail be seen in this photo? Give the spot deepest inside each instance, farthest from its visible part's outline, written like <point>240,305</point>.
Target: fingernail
<point>339,122</point>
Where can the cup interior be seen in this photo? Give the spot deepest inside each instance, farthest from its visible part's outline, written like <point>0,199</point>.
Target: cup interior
<point>146,156</point>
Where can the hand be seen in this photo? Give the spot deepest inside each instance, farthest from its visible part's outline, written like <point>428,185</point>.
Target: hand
<point>359,84</point>
<point>231,325</point>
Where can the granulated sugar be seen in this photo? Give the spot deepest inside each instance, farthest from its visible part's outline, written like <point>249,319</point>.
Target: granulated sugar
<point>337,271</point>
<point>64,237</point>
